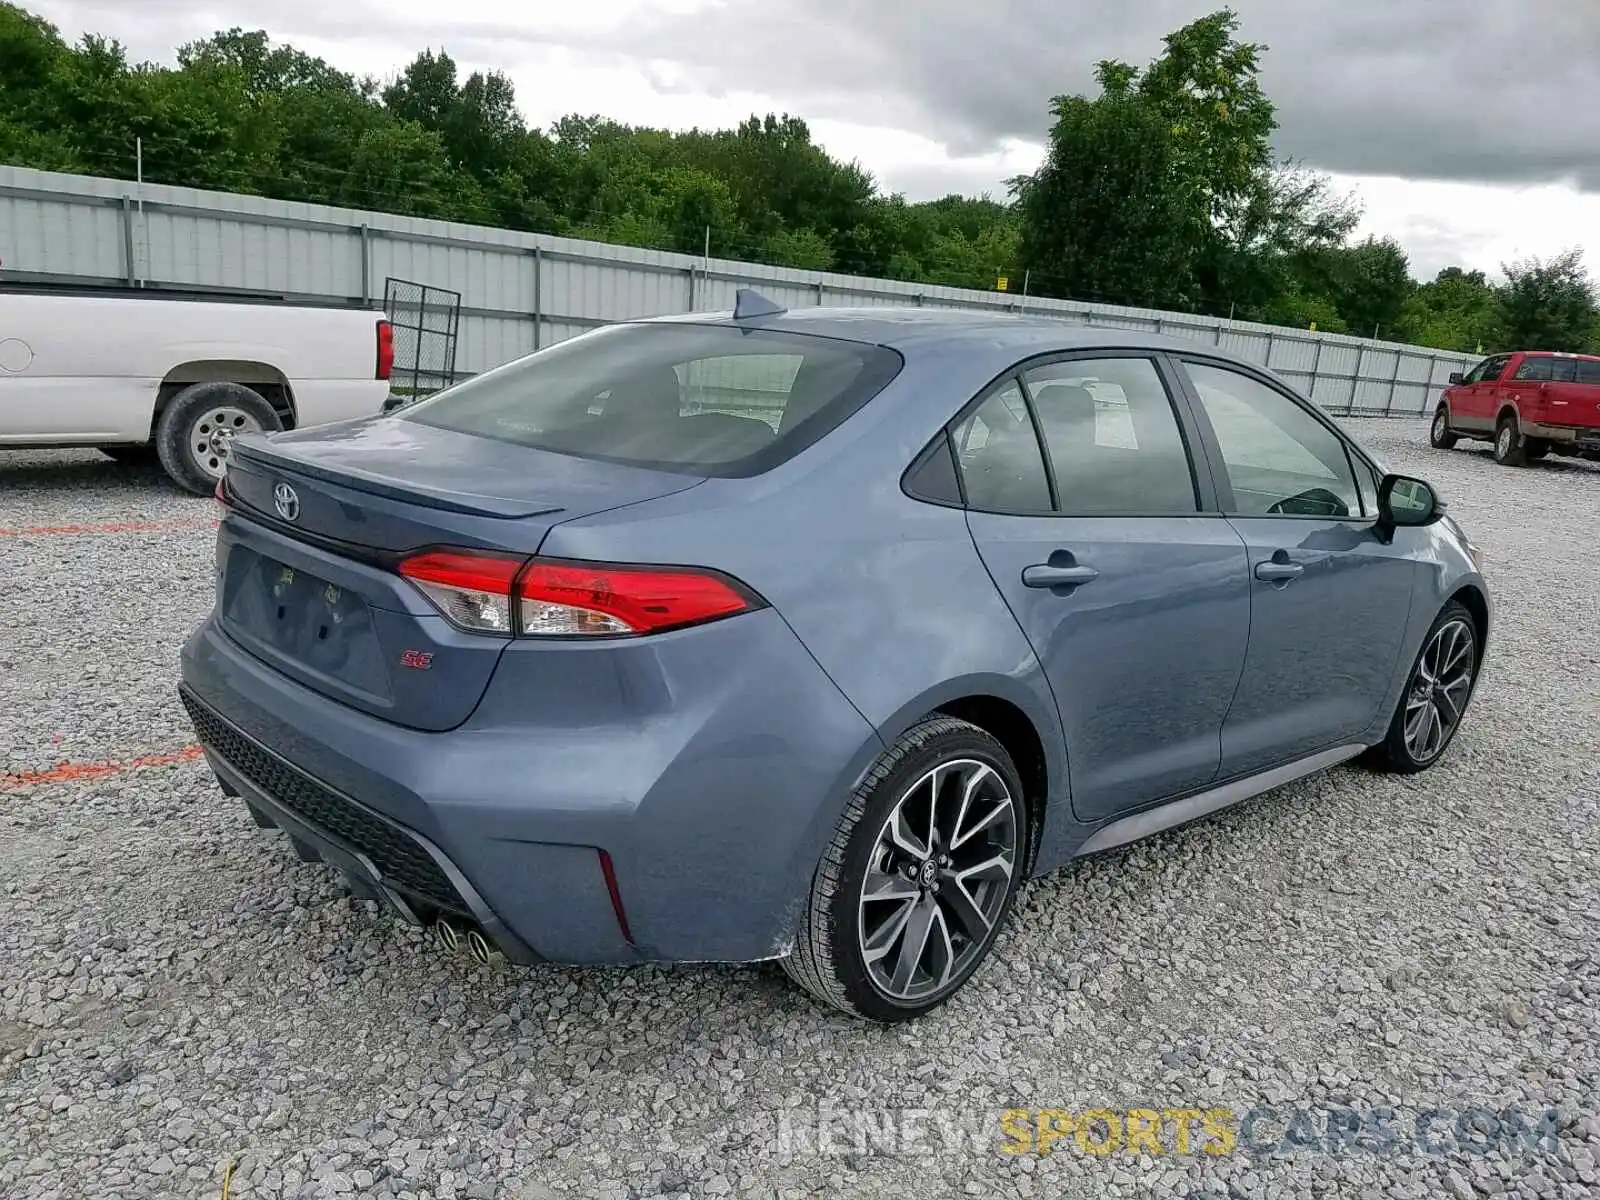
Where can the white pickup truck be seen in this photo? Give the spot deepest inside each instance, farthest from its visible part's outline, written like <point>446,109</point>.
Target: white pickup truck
<point>143,377</point>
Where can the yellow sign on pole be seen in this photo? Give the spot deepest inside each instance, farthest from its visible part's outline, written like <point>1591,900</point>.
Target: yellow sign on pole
<point>1313,327</point>
<point>1000,284</point>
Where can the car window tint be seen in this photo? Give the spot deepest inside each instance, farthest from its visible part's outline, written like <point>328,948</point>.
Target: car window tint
<point>1534,369</point>
<point>1563,370</point>
<point>700,399</point>
<point>1113,437</point>
<point>1493,369</point>
<point>933,475</point>
<point>1002,469</point>
<point>1280,460</point>
<point>743,385</point>
<point>1588,370</point>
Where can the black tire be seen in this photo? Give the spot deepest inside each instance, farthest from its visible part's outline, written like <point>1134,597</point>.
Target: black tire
<point>1397,753</point>
<point>1510,447</point>
<point>1535,448</point>
<point>1439,435</point>
<point>192,445</point>
<point>131,456</point>
<point>828,959</point>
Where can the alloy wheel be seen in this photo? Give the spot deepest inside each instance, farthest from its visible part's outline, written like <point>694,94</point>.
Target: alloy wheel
<point>937,880</point>
<point>1439,688</point>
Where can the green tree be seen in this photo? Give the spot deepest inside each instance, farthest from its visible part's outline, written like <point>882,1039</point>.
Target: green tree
<point>1106,216</point>
<point>1459,310</point>
<point>1548,305</point>
<point>1161,190</point>
<point>1368,284</point>
<point>802,248</point>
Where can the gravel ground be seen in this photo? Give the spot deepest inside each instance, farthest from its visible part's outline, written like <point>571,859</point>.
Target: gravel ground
<point>177,993</point>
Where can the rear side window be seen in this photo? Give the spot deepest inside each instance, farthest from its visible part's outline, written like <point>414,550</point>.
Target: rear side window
<point>696,399</point>
<point>1534,370</point>
<point>1113,437</point>
<point>1002,469</point>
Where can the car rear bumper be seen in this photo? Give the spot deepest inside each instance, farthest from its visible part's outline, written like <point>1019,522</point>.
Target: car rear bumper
<point>380,859</point>
<point>1578,438</point>
<point>709,765</point>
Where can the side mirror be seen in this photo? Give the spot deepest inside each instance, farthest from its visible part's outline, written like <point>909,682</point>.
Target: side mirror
<point>1456,377</point>
<point>1406,502</point>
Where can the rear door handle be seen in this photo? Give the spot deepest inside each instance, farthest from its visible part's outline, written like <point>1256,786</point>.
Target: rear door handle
<point>1272,571</point>
<point>1042,575</point>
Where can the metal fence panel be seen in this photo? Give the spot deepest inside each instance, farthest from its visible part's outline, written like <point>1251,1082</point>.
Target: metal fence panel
<point>521,292</point>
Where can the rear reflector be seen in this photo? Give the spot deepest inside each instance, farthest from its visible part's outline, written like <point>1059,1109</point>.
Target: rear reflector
<point>473,591</point>
<point>385,349</point>
<point>610,874</point>
<point>560,598</point>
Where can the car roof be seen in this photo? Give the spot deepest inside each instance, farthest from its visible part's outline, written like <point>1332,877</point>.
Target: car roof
<point>916,329</point>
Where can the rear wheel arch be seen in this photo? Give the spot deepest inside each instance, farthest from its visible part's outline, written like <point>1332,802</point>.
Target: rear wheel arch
<point>1014,729</point>
<point>263,378</point>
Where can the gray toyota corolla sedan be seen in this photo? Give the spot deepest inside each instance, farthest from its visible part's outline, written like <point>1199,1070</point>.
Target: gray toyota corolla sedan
<point>811,635</point>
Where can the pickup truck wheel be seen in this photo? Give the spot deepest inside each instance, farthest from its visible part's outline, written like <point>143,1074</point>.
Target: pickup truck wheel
<point>1440,435</point>
<point>1510,449</point>
<point>195,434</point>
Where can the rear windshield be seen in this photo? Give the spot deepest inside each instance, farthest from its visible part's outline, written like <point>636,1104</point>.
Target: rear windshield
<point>1541,368</point>
<point>699,399</point>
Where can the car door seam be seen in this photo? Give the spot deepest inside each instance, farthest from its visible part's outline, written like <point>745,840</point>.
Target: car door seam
<point>1033,653</point>
<point>1249,634</point>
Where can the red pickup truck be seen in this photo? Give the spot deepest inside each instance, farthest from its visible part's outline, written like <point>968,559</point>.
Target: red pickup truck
<point>1529,404</point>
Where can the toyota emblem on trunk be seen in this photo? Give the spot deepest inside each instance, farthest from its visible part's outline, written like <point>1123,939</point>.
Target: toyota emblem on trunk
<point>286,501</point>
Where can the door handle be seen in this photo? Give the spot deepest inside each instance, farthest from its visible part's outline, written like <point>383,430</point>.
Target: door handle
<point>1043,575</point>
<point>1274,571</point>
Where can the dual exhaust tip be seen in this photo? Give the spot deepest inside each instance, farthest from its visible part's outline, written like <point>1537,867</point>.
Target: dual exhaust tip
<point>451,938</point>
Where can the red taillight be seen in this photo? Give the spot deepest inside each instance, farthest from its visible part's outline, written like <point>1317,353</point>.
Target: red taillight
<point>570,599</point>
<point>385,349</point>
<point>473,591</point>
<point>565,598</point>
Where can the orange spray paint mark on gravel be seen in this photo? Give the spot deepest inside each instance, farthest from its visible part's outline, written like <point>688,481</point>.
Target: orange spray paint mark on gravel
<point>68,772</point>
<point>111,527</point>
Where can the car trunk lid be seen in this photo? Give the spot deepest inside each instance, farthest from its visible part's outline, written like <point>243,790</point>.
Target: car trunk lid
<point>319,521</point>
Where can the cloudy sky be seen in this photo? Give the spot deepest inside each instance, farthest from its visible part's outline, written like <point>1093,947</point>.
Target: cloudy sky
<point>1466,127</point>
